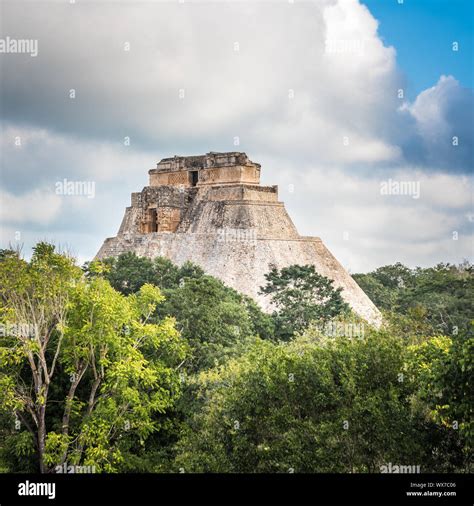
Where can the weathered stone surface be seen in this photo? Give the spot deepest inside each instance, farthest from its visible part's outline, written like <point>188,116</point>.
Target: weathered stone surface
<point>228,224</point>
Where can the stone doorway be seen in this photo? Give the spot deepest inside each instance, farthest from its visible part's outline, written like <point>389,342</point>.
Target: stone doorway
<point>194,177</point>
<point>151,222</point>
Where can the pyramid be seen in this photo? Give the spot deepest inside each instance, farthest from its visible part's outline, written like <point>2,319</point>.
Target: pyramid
<point>211,210</point>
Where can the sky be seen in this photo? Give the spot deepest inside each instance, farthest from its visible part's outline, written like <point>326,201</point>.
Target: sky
<point>361,112</point>
<point>422,31</point>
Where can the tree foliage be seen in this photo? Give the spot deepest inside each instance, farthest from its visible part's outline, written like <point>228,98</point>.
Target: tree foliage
<point>93,370</point>
<point>332,404</point>
<point>132,364</point>
<point>301,296</point>
<point>215,320</point>
<point>444,294</point>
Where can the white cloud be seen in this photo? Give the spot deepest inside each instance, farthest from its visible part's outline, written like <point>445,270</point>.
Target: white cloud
<point>227,93</point>
<point>429,108</point>
<point>327,55</point>
<point>444,120</point>
<point>38,207</point>
<point>45,157</point>
<point>365,228</point>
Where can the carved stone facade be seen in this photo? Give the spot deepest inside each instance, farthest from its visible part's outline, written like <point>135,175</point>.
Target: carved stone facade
<point>210,169</point>
<point>211,210</point>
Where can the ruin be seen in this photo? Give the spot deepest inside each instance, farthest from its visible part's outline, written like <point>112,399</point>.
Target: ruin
<point>211,210</point>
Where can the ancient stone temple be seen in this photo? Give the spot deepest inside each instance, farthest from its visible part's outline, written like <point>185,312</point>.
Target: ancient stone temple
<point>211,210</point>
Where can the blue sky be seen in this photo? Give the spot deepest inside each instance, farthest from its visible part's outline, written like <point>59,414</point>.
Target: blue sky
<point>422,32</point>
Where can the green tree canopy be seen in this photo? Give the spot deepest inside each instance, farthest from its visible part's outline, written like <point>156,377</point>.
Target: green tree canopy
<point>301,296</point>
<point>334,404</point>
<point>316,404</point>
<point>444,294</point>
<point>89,372</point>
<point>128,272</point>
<point>215,320</point>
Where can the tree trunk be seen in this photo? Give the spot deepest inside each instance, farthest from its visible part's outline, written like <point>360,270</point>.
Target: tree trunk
<point>42,438</point>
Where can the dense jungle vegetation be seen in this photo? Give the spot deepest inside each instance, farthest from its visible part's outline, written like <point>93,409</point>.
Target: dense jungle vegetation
<point>138,365</point>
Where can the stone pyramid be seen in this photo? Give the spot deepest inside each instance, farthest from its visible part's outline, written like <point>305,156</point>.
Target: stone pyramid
<point>212,211</point>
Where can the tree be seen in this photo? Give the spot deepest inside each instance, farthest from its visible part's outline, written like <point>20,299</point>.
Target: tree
<point>301,296</point>
<point>443,294</point>
<point>92,372</point>
<point>214,319</point>
<point>443,369</point>
<point>316,404</point>
<point>211,317</point>
<point>35,300</point>
<point>128,272</point>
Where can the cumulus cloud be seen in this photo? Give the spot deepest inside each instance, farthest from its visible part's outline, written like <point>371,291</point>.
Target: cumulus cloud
<point>33,207</point>
<point>444,125</point>
<point>367,228</point>
<point>296,79</point>
<point>39,156</point>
